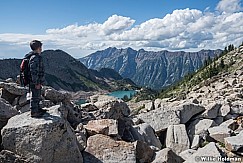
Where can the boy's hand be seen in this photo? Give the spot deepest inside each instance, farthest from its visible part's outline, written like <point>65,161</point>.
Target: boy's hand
<point>38,86</point>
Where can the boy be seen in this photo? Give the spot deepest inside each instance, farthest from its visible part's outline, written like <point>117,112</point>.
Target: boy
<point>37,78</point>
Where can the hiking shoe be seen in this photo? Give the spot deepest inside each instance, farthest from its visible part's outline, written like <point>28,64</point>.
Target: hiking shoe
<point>37,114</point>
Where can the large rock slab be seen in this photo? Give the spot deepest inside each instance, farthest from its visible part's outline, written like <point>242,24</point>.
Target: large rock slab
<point>209,153</point>
<point>111,108</point>
<point>13,88</point>
<point>187,154</point>
<point>47,139</point>
<point>143,152</point>
<point>218,133</point>
<point>144,132</point>
<point>8,96</point>
<point>212,111</point>
<point>234,143</point>
<point>73,113</point>
<point>103,126</point>
<point>167,155</point>
<point>177,138</point>
<point>187,110</point>
<point>56,96</point>
<point>102,148</point>
<point>160,119</point>
<point>198,127</point>
<point>6,112</point>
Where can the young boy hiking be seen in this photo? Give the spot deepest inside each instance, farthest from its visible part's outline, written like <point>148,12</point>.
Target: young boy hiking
<point>36,68</point>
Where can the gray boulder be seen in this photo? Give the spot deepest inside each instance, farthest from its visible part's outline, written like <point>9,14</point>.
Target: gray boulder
<point>9,80</point>
<point>196,142</point>
<point>11,98</point>
<point>218,133</point>
<point>111,108</point>
<point>81,135</point>
<point>219,120</point>
<point>56,96</point>
<point>167,155</point>
<point>211,111</point>
<point>102,126</point>
<point>158,103</point>
<point>224,110</point>
<point>237,107</point>
<point>187,110</point>
<point>230,116</point>
<point>24,108</point>
<point>73,113</point>
<point>234,143</point>
<point>102,148</point>
<point>149,106</point>
<point>6,112</point>
<point>160,119</point>
<point>228,123</point>
<point>48,139</point>
<point>198,127</point>
<point>144,153</point>
<point>177,138</point>
<point>13,88</point>
<point>209,153</point>
<point>144,132</point>
<point>187,154</point>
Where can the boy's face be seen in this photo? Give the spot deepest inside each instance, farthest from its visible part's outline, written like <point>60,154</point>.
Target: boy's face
<point>39,50</point>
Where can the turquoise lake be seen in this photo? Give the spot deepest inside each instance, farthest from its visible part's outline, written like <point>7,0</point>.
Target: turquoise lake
<point>117,94</point>
<point>121,94</point>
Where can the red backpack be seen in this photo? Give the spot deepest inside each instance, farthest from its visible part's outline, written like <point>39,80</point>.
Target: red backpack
<point>25,75</point>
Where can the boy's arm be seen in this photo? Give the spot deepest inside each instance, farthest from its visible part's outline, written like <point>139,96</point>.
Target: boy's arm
<point>34,70</point>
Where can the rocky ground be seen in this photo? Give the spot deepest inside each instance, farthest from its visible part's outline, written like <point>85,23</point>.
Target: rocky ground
<point>204,127</point>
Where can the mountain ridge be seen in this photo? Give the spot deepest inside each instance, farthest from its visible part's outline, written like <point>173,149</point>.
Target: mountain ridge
<point>67,73</point>
<point>148,68</point>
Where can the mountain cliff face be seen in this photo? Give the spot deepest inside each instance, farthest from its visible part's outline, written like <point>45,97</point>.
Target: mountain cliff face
<point>148,68</point>
<point>62,71</point>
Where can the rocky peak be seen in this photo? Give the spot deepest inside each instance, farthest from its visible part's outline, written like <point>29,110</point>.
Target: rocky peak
<point>148,68</point>
<point>62,71</point>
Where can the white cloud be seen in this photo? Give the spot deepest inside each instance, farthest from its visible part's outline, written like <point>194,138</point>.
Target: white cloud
<point>229,6</point>
<point>183,29</point>
<point>116,24</point>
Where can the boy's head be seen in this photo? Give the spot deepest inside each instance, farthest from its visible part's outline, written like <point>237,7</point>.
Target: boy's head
<point>36,45</point>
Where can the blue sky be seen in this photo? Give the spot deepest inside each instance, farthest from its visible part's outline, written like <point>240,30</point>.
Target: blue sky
<point>82,27</point>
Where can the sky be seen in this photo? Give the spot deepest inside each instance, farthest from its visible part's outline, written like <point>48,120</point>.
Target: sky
<point>81,27</point>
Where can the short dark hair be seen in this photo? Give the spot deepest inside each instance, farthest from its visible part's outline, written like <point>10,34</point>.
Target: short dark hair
<point>35,44</point>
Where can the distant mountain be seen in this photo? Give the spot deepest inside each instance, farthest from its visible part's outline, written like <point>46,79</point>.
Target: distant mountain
<point>148,68</point>
<point>62,71</point>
